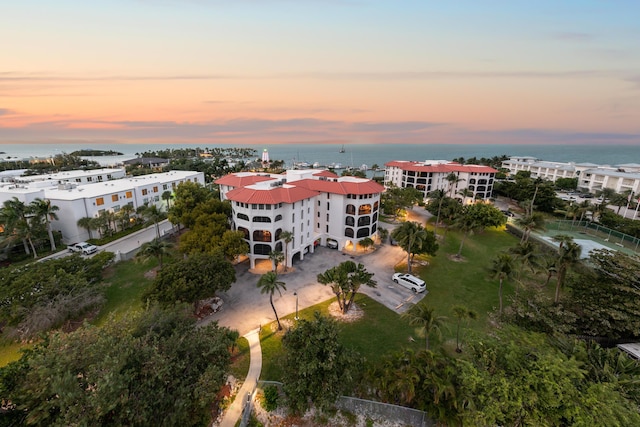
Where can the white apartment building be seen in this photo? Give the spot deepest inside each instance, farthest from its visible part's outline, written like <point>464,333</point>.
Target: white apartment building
<point>314,205</point>
<point>591,177</point>
<point>77,200</point>
<point>431,175</point>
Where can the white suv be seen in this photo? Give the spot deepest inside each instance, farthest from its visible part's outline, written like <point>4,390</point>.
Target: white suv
<point>410,282</point>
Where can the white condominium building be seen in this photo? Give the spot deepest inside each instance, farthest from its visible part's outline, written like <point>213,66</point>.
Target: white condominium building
<point>79,199</point>
<point>316,206</point>
<point>591,177</point>
<point>431,175</point>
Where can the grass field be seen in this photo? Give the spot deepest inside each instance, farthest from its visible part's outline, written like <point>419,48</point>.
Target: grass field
<point>450,282</point>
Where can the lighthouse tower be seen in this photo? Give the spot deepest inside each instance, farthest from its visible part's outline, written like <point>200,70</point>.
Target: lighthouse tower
<point>265,156</point>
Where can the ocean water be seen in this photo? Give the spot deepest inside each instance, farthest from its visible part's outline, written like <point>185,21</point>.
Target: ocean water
<point>356,155</point>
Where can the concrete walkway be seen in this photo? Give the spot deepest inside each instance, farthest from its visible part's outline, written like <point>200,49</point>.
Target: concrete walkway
<point>234,412</point>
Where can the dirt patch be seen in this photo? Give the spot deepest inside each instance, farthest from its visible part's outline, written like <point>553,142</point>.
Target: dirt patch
<point>456,258</point>
<point>152,274</point>
<point>354,313</point>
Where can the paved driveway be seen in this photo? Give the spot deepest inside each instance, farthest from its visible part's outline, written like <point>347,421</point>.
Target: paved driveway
<point>245,308</point>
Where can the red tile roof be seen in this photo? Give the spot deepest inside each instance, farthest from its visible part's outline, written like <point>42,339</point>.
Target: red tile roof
<point>233,180</point>
<point>439,168</point>
<point>341,187</point>
<point>326,173</point>
<point>270,196</point>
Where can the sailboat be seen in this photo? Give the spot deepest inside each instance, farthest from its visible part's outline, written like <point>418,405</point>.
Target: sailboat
<point>341,150</point>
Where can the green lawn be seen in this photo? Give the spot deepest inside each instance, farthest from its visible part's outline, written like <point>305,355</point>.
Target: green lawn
<point>125,282</point>
<point>468,281</point>
<point>379,329</point>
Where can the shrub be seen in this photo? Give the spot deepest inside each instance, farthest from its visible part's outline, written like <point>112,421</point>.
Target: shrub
<point>271,396</point>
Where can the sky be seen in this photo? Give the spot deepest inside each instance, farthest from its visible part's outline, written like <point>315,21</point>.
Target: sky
<point>320,71</point>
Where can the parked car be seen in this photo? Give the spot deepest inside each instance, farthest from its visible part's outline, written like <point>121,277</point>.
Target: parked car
<point>410,281</point>
<point>332,244</point>
<point>83,247</point>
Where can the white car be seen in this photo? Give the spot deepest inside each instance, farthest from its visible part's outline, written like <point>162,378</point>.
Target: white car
<point>83,247</point>
<point>410,282</point>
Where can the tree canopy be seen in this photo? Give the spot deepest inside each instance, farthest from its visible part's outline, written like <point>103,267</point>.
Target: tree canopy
<point>152,368</point>
<point>190,280</point>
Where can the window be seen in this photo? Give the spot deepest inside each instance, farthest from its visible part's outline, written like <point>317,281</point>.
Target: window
<point>364,220</point>
<point>100,178</point>
<point>318,214</point>
<point>261,236</point>
<point>144,192</point>
<point>349,221</point>
<point>114,197</point>
<point>261,249</point>
<point>89,179</point>
<point>129,194</point>
<point>363,232</point>
<point>164,186</point>
<point>348,232</point>
<point>243,216</point>
<point>261,219</point>
<point>364,210</point>
<point>99,201</point>
<point>327,205</point>
<point>278,233</point>
<point>116,208</point>
<point>351,210</point>
<point>278,218</point>
<point>318,203</point>
<point>155,189</point>
<point>245,232</point>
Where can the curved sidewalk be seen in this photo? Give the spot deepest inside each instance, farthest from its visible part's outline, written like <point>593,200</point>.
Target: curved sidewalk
<point>234,412</point>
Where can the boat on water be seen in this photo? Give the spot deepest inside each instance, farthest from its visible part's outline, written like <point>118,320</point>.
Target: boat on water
<point>341,150</point>
<point>364,167</point>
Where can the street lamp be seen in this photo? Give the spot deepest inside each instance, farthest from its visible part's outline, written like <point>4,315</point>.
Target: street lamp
<point>296,295</point>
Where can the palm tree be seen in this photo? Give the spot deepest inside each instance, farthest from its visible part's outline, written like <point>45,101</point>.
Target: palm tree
<point>87,223</point>
<point>156,248</point>
<point>501,269</point>
<point>467,224</point>
<point>366,243</point>
<point>465,192</point>
<point>527,254</point>
<point>461,313</point>
<point>125,215</point>
<point>409,236</point>
<point>345,280</point>
<point>15,219</point>
<point>44,210</point>
<point>453,181</point>
<point>424,317</point>
<point>152,213</point>
<point>549,265</point>
<point>438,195</point>
<point>269,284</point>
<point>528,223</point>
<point>287,237</point>
<point>276,258</point>
<point>568,256</point>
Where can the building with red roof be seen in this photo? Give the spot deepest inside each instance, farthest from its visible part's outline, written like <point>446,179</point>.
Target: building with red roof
<point>317,206</point>
<point>464,182</point>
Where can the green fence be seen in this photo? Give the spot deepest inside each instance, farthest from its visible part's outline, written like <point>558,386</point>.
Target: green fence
<point>596,231</point>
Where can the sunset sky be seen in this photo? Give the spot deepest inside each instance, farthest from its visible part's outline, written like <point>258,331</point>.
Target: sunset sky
<point>305,71</point>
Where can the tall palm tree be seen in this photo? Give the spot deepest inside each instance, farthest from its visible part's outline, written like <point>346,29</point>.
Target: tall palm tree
<point>439,196</point>
<point>45,211</point>
<point>502,269</point>
<point>549,265</point>
<point>409,236</point>
<point>276,258</point>
<point>568,256</point>
<point>453,180</point>
<point>465,193</point>
<point>528,223</point>
<point>152,213</point>
<point>167,196</point>
<point>15,215</point>
<point>269,284</point>
<point>424,317</point>
<point>461,312</point>
<point>87,223</point>
<point>527,254</point>
<point>156,248</point>
<point>287,237</point>
<point>467,224</point>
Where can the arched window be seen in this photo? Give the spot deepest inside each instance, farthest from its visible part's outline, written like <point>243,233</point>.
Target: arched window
<point>261,219</point>
<point>261,236</point>
<point>278,218</point>
<point>278,233</point>
<point>351,210</point>
<point>472,181</point>
<point>279,246</point>
<point>363,232</point>
<point>471,187</point>
<point>243,216</point>
<point>364,210</point>
<point>348,232</point>
<point>245,232</point>
<point>482,181</point>
<point>349,221</point>
<point>260,249</point>
<point>364,220</point>
<point>481,188</point>
<point>373,228</point>
<point>375,207</point>
<point>375,217</point>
